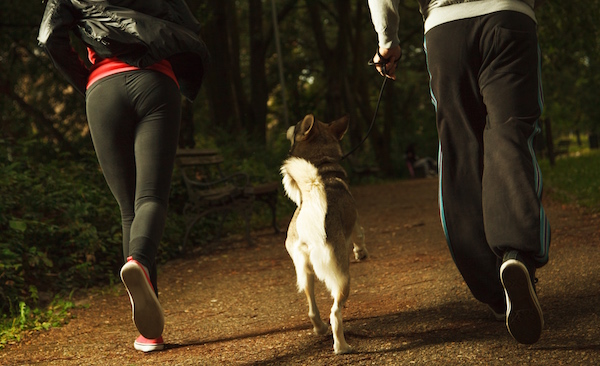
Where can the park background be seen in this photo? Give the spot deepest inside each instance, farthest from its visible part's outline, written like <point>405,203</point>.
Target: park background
<point>272,63</point>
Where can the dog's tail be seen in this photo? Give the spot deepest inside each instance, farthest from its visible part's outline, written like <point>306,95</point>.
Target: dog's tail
<point>303,185</point>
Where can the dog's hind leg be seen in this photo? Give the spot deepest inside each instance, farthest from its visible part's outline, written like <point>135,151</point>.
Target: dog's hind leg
<point>337,327</point>
<point>305,277</point>
<point>319,327</point>
<point>360,248</point>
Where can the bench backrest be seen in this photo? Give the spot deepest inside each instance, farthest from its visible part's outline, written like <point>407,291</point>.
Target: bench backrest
<point>204,178</point>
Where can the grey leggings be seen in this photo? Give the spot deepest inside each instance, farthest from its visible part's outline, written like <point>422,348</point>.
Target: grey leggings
<point>134,122</point>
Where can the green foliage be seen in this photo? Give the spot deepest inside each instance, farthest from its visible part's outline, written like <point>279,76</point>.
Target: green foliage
<point>569,35</point>
<point>56,314</point>
<point>60,228</point>
<point>575,179</point>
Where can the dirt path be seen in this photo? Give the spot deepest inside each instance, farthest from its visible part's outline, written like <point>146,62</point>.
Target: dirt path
<point>408,303</point>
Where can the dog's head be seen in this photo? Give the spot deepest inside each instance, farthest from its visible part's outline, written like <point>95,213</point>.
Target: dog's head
<point>314,140</point>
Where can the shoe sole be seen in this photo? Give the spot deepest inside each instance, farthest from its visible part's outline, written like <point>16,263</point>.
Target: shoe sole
<point>147,314</point>
<point>148,347</point>
<point>524,318</point>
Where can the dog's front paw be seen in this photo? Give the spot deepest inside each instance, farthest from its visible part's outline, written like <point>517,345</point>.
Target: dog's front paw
<point>360,254</point>
<point>321,329</point>
<point>342,349</point>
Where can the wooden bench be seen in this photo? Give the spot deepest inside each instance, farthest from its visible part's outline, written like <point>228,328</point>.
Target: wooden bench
<point>562,148</point>
<point>211,190</point>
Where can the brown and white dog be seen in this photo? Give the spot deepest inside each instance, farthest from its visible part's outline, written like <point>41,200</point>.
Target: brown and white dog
<point>320,233</point>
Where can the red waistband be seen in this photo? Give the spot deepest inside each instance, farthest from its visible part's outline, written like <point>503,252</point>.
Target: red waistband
<point>102,68</point>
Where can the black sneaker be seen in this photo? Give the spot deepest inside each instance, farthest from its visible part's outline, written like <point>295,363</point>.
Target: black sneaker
<point>524,318</point>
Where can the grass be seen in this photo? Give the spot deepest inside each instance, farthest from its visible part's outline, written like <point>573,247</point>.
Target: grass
<point>575,178</point>
<point>28,319</point>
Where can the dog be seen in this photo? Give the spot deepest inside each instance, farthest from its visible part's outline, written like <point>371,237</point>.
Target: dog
<point>321,231</point>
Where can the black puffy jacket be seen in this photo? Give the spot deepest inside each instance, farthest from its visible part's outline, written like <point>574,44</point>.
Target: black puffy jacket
<point>138,32</point>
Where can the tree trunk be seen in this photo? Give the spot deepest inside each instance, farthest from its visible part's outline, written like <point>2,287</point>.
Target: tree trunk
<point>258,76</point>
<point>186,130</point>
<point>549,141</point>
<point>219,79</point>
<point>334,60</point>
<point>240,100</point>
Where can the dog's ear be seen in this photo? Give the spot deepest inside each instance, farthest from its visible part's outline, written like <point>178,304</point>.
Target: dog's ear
<point>339,127</point>
<point>306,127</point>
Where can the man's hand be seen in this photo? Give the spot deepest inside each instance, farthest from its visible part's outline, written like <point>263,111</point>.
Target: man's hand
<point>392,56</point>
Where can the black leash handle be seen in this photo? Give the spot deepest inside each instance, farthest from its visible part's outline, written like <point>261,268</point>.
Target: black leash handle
<point>383,61</point>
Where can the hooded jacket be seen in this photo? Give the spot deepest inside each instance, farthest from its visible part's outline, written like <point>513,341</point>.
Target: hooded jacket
<point>138,32</point>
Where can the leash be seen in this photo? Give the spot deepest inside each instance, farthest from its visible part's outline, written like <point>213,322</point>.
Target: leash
<point>383,61</point>
<point>372,121</point>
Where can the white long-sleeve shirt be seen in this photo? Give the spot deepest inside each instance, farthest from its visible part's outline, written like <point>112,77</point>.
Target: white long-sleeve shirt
<point>384,14</point>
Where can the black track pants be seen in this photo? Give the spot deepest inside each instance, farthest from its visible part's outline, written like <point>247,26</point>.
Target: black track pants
<point>486,88</point>
<point>134,122</point>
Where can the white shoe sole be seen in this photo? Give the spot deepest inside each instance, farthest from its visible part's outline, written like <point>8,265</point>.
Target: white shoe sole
<point>148,347</point>
<point>147,314</point>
